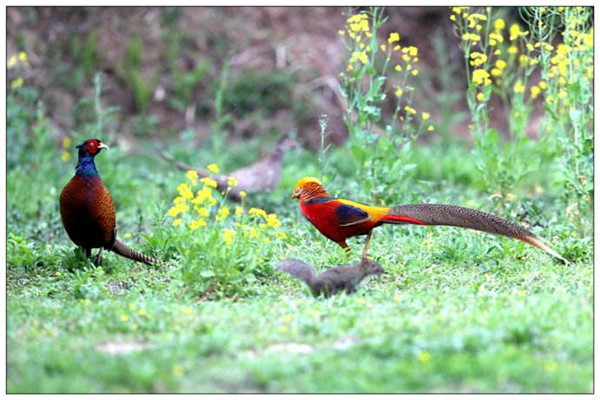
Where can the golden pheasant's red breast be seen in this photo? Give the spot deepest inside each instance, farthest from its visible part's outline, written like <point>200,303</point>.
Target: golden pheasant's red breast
<point>88,212</point>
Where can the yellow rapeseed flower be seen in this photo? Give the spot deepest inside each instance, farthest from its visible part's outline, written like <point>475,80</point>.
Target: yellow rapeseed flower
<point>272,221</point>
<point>519,87</point>
<point>209,181</point>
<point>481,77</point>
<point>535,92</point>
<point>23,57</point>
<point>191,175</point>
<point>66,142</point>
<point>424,356</point>
<point>501,64</point>
<point>228,236</point>
<point>425,116</point>
<point>414,72</point>
<point>394,37</point>
<point>202,211</point>
<point>499,24</point>
<point>124,318</point>
<point>65,156</point>
<point>513,50</point>
<point>197,224</point>
<point>543,85</point>
<point>177,222</point>
<point>214,168</point>
<point>185,191</point>
<point>186,310</point>
<point>430,128</point>
<point>12,61</point>
<point>232,182</point>
<point>17,83</point>
<point>239,210</point>
<point>222,213</point>
<point>257,211</point>
<point>480,96</point>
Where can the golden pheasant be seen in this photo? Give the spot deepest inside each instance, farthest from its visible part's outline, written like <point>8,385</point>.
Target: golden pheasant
<point>340,219</point>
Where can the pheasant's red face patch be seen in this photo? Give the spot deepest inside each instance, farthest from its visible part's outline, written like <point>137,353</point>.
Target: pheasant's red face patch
<point>92,146</point>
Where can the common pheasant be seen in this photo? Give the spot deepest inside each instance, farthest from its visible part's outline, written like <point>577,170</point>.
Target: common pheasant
<point>88,212</point>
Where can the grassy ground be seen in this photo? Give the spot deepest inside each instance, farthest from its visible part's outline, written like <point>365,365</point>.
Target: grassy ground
<point>458,311</point>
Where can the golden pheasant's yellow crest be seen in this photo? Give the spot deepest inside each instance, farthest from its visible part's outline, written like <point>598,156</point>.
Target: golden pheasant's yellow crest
<point>307,185</point>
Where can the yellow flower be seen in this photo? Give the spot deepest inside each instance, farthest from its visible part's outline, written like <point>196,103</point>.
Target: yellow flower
<point>516,32</point>
<point>267,240</point>
<point>399,92</point>
<point>519,87</point>
<point>273,221</point>
<point>287,319</point>
<point>213,168</point>
<point>197,224</point>
<point>222,213</point>
<point>513,50</point>
<point>186,310</point>
<point>425,116</point>
<point>382,47</point>
<point>65,156</point>
<point>17,83</point>
<point>496,72</point>
<point>501,64</point>
<point>480,96</point>
<point>430,128</point>
<point>124,318</point>
<point>254,233</point>
<point>202,211</point>
<point>414,72</point>
<point>202,195</point>
<point>12,61</point>
<point>239,210</point>
<point>209,181</point>
<point>535,92</point>
<point>360,300</point>
<point>424,356</point>
<point>231,181</point>
<point>282,235</point>
<point>398,68</point>
<point>228,236</point>
<point>543,85</point>
<point>499,24</point>
<point>177,222</point>
<point>410,110</point>
<point>128,235</point>
<point>481,77</point>
<point>361,56</point>
<point>142,312</point>
<point>397,299</point>
<point>23,57</point>
<point>257,211</point>
<point>177,209</point>
<point>66,142</point>
<point>394,37</point>
<point>192,175</point>
<point>185,191</point>
<point>178,370</point>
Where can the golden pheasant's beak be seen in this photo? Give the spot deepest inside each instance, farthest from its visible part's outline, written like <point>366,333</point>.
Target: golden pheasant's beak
<point>103,146</point>
<point>296,194</point>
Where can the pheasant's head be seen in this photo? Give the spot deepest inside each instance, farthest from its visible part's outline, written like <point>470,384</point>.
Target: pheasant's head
<point>92,147</point>
<point>308,188</point>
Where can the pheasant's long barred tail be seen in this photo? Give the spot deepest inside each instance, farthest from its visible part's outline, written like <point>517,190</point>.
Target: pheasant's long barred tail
<point>444,214</point>
<point>123,250</point>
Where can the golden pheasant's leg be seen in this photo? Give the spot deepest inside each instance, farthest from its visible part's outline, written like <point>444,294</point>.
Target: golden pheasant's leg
<point>367,243</point>
<point>98,259</point>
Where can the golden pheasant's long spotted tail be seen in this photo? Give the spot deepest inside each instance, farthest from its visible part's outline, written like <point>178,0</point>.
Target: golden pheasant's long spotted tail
<point>123,250</point>
<point>443,214</point>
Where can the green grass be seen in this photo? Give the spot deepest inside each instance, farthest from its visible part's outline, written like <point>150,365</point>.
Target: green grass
<point>458,311</point>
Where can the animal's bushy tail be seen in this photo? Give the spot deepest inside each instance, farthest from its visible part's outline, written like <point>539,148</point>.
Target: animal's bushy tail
<point>123,250</point>
<point>443,214</point>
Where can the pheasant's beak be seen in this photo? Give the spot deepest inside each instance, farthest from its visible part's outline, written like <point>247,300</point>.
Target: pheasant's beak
<point>296,194</point>
<point>103,146</point>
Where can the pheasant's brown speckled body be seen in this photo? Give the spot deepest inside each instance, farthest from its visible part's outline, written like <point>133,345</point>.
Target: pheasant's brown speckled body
<point>88,212</point>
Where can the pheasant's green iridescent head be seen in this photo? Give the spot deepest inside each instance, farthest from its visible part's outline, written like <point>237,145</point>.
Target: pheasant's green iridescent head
<point>307,188</point>
<point>91,147</point>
